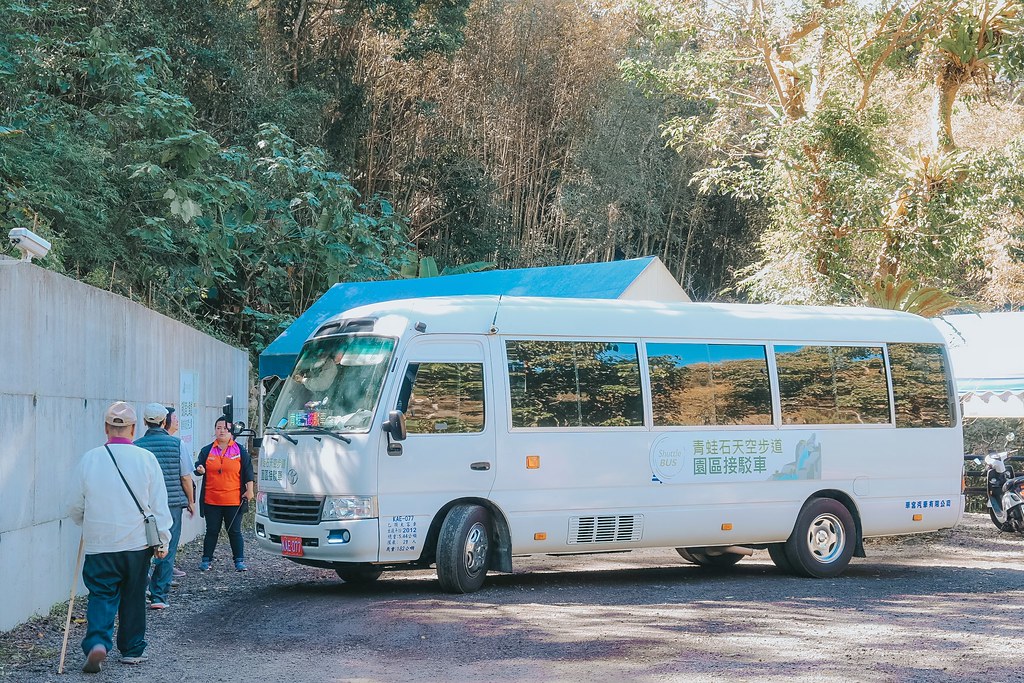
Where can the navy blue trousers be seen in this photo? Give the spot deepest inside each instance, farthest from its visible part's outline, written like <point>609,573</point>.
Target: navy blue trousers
<point>117,587</point>
<point>160,583</point>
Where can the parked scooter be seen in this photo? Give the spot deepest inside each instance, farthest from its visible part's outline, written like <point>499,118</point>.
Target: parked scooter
<point>1005,491</point>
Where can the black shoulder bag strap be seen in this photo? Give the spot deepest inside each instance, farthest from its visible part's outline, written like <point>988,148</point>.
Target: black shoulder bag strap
<point>141,511</point>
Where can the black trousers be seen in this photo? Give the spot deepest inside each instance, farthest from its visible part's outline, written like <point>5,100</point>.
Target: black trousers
<point>230,517</point>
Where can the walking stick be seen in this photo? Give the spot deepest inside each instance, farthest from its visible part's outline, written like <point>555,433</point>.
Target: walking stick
<point>71,603</point>
<point>244,504</point>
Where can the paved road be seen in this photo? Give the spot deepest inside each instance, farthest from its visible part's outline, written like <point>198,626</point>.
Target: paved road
<point>945,608</point>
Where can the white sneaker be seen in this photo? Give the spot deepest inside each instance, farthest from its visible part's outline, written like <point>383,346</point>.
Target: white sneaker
<point>137,659</point>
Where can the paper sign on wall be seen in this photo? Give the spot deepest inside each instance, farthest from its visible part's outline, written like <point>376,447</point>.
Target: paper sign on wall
<point>187,409</point>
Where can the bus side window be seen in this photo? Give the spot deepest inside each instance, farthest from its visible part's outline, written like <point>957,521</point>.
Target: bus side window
<point>920,385</point>
<point>444,398</point>
<point>743,393</point>
<point>574,384</point>
<point>709,384</point>
<point>832,384</point>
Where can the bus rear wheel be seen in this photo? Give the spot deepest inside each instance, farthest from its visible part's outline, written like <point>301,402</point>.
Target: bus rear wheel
<point>358,575</point>
<point>823,539</point>
<point>777,551</point>
<point>464,549</point>
<point>701,557</point>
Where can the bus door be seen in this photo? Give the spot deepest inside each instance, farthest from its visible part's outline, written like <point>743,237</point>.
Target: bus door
<point>449,453</point>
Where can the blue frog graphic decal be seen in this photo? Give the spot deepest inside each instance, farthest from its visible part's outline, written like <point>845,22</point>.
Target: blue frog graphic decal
<point>806,463</point>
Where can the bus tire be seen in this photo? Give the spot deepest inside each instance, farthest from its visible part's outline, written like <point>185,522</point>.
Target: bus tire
<point>464,549</point>
<point>823,539</point>
<point>358,575</point>
<point>777,551</point>
<point>699,557</point>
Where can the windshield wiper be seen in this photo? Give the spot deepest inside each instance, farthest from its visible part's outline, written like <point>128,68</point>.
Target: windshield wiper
<point>328,432</point>
<point>278,432</point>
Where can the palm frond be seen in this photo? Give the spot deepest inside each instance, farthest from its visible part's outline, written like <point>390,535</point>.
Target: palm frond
<point>909,296</point>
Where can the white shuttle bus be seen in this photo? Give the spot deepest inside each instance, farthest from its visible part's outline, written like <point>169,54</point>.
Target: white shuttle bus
<point>462,432</point>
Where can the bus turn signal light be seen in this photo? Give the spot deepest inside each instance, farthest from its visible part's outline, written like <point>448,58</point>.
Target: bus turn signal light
<point>533,462</point>
<point>540,536</point>
<point>727,527</point>
<point>918,518</point>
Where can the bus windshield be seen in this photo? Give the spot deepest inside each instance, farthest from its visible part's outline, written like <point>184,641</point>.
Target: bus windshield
<point>335,385</point>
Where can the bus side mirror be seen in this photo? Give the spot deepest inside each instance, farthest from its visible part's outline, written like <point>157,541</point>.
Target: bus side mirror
<point>395,426</point>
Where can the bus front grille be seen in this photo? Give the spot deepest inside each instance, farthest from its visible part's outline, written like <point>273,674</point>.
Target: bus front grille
<point>606,529</point>
<point>294,509</point>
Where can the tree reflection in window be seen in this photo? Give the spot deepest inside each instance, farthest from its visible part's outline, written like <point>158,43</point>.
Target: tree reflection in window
<point>920,385</point>
<point>446,398</point>
<point>832,384</point>
<point>574,384</point>
<point>709,384</point>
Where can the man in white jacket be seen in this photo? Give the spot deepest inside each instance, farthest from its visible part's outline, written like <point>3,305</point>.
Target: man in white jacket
<point>117,554</point>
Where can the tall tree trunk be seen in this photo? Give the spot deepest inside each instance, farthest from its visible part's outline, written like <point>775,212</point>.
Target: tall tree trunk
<point>947,84</point>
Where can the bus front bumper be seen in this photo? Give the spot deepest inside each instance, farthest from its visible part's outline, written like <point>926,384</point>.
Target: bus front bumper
<point>348,541</point>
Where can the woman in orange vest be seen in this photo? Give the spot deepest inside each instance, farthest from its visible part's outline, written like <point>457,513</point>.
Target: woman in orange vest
<point>227,474</point>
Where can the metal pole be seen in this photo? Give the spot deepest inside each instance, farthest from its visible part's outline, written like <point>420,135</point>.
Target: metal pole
<point>261,394</point>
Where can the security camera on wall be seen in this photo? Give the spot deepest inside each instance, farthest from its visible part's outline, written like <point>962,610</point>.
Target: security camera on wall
<point>28,243</point>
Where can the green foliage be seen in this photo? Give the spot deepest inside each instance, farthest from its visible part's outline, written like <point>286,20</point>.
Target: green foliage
<point>262,232</point>
<point>464,210</point>
<point>227,161</point>
<point>782,115</point>
<point>436,26</point>
<point>908,296</point>
<point>987,435</point>
<point>235,238</point>
<point>426,266</point>
<point>624,194</point>
<point>991,34</point>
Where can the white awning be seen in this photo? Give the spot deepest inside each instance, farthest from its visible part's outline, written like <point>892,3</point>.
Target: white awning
<point>992,404</point>
<point>988,362</point>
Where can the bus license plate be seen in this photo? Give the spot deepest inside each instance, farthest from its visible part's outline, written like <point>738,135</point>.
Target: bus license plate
<point>291,546</point>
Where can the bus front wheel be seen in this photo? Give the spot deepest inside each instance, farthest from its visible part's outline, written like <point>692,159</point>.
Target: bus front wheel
<point>464,549</point>
<point>823,539</point>
<point>358,575</point>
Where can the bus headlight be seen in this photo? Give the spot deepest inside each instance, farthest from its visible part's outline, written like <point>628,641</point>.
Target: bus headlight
<point>349,507</point>
<point>261,504</point>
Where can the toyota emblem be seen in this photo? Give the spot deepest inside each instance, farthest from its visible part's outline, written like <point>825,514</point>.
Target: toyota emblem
<point>293,477</point>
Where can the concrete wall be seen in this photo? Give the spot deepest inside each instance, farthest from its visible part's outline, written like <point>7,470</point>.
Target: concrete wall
<point>68,350</point>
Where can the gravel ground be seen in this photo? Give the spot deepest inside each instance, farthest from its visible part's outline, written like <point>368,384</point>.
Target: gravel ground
<point>936,607</point>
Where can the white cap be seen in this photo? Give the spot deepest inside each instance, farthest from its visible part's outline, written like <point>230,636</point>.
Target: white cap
<point>154,413</point>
